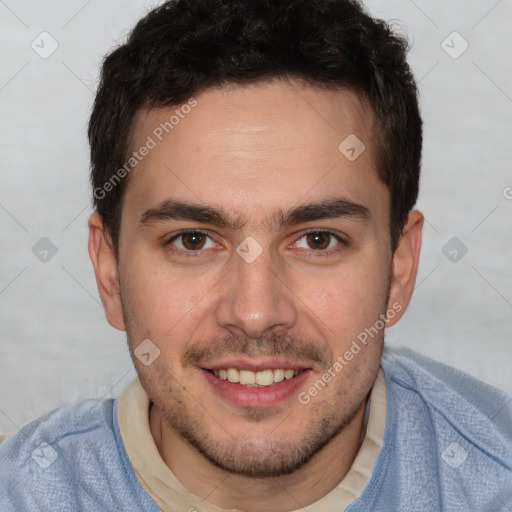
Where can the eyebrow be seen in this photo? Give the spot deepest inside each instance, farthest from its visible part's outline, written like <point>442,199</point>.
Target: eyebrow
<point>172,209</point>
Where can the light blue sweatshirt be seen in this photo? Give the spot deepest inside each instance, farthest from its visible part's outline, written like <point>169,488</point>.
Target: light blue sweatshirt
<point>447,447</point>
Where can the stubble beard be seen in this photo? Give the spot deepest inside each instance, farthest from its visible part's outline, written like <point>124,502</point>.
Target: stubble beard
<point>265,457</point>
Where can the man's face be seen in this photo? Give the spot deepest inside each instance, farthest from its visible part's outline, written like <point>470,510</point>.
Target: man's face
<point>267,290</point>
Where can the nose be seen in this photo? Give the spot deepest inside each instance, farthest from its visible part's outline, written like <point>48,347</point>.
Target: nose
<point>255,300</point>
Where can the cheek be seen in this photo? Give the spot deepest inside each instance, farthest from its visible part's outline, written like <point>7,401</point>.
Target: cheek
<point>350,300</point>
<point>161,299</point>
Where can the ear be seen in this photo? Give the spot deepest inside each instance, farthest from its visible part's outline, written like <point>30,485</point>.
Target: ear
<point>404,266</point>
<point>102,256</point>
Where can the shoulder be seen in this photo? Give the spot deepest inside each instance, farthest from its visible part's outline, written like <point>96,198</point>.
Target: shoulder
<point>459,398</point>
<point>448,436</point>
<point>69,458</point>
<point>66,426</point>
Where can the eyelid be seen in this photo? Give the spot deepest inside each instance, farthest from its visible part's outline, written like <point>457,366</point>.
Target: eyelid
<point>184,232</point>
<point>335,234</point>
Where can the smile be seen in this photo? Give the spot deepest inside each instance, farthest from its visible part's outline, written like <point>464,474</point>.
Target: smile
<point>257,388</point>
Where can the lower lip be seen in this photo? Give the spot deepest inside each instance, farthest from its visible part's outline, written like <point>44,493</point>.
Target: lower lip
<point>265,396</point>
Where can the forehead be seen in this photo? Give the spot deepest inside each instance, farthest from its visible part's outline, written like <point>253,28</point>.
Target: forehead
<point>256,146</point>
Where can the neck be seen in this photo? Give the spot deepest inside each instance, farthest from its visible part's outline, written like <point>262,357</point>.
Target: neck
<point>303,487</point>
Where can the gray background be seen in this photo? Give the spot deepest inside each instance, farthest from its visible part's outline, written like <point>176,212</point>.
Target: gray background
<point>55,344</point>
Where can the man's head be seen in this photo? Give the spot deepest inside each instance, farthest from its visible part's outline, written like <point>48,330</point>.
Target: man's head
<point>187,46</point>
<point>262,227</point>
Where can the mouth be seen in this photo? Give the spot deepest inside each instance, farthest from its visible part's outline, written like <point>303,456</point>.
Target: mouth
<point>257,387</point>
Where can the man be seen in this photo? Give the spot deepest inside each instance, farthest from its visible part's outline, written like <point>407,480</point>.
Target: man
<point>255,164</point>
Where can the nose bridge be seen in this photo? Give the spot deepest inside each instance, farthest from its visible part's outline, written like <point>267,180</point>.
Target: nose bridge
<point>256,280</point>
<point>255,301</point>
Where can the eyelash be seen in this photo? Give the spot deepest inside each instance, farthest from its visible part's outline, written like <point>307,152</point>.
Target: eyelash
<point>314,253</point>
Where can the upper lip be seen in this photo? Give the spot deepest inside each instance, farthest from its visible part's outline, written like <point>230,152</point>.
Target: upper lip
<point>256,364</point>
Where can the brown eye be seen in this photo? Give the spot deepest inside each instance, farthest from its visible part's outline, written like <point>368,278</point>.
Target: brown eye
<point>320,243</point>
<point>193,241</point>
<point>190,241</point>
<point>318,240</point>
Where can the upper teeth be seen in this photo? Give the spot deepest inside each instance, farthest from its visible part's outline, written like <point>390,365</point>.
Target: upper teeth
<point>262,378</point>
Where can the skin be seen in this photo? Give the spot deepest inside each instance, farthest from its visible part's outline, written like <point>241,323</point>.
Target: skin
<point>255,150</point>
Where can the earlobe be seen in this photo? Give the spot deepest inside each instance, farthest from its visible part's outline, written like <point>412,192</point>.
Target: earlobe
<point>405,264</point>
<point>105,269</point>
